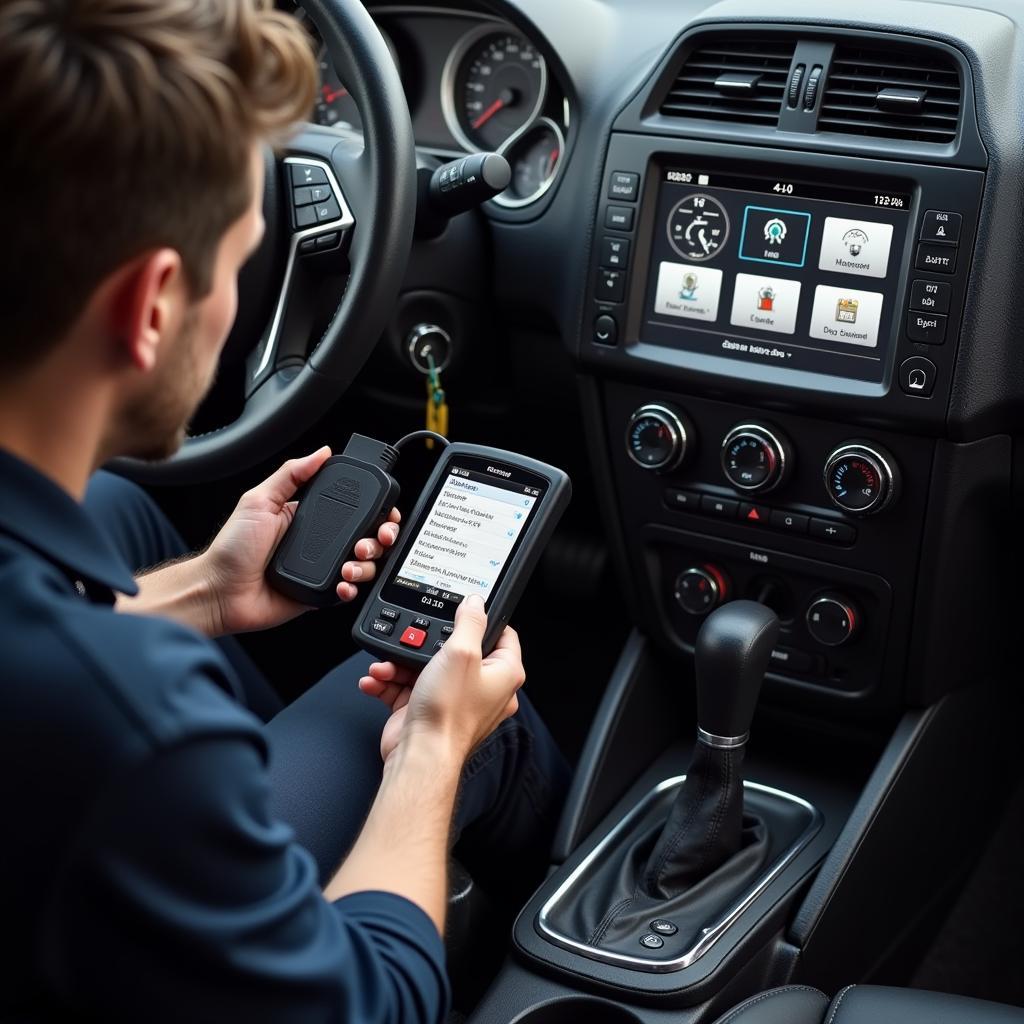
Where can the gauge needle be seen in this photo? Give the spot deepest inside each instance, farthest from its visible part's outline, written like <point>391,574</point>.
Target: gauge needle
<point>330,95</point>
<point>506,98</point>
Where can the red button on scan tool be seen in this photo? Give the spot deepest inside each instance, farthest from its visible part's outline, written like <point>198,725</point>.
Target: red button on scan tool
<point>413,637</point>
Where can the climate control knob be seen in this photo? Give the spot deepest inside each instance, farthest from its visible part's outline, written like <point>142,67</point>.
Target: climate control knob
<point>832,620</point>
<point>657,437</point>
<point>861,478</point>
<point>755,457</point>
<point>701,589</point>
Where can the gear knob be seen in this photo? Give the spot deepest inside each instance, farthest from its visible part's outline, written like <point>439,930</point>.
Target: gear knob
<point>732,652</point>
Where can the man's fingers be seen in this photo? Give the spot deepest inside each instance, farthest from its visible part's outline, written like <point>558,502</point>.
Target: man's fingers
<point>359,572</point>
<point>470,623</point>
<point>387,693</point>
<point>347,592</point>
<point>281,486</point>
<point>394,516</point>
<point>388,532</point>
<point>368,549</point>
<point>389,672</point>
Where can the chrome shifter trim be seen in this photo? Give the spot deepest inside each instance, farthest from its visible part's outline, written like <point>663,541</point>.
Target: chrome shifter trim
<point>721,742</point>
<point>710,935</point>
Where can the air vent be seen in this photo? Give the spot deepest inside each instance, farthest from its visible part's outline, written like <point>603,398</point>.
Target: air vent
<point>732,78</point>
<point>906,93</point>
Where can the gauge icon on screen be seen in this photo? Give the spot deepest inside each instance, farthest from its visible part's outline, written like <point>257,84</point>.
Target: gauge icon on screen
<point>698,227</point>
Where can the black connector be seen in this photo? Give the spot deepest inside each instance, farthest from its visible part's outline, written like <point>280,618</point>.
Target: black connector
<point>348,499</point>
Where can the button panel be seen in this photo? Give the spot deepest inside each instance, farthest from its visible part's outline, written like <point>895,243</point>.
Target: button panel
<point>314,202</point>
<point>413,630</point>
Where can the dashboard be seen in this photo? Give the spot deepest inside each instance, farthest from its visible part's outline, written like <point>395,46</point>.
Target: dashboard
<point>474,83</point>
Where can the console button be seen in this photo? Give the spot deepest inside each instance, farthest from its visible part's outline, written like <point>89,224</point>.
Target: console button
<point>652,942</point>
<point>791,522</point>
<point>614,252</point>
<point>305,175</point>
<point>930,296</point>
<point>724,507</point>
<point>941,226</point>
<point>917,376</point>
<point>619,218</point>
<point>941,259</point>
<point>413,637</point>
<point>390,614</point>
<point>791,660</point>
<point>379,626</point>
<point>682,501</point>
<point>663,927</point>
<point>832,620</point>
<point>755,513</point>
<point>837,533</point>
<point>624,185</point>
<point>929,328</point>
<point>611,285</point>
<point>606,330</point>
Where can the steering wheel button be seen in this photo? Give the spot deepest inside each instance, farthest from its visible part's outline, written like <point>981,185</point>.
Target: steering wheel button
<point>305,175</point>
<point>327,211</point>
<point>305,216</point>
<point>302,196</point>
<point>413,637</point>
<point>307,245</point>
<point>328,241</point>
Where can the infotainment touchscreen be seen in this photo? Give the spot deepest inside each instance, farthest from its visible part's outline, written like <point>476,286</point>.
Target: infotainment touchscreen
<point>777,272</point>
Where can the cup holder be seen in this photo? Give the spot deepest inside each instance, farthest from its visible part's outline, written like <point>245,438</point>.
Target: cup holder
<point>575,1009</point>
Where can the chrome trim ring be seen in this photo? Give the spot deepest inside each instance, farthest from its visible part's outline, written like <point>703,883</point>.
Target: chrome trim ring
<point>886,477</point>
<point>451,70</point>
<point>709,739</point>
<point>710,935</point>
<point>514,204</point>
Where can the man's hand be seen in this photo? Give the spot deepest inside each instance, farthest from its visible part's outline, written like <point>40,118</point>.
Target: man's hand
<point>237,559</point>
<point>459,697</point>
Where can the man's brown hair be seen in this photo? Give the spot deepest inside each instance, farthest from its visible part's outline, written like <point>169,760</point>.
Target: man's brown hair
<point>127,125</point>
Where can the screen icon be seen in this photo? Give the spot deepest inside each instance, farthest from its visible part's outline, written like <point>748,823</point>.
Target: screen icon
<point>765,303</point>
<point>775,236</point>
<point>846,311</point>
<point>685,291</point>
<point>847,316</point>
<point>766,297</point>
<point>859,247</point>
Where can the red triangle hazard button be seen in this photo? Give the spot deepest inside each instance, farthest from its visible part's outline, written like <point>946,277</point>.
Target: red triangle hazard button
<point>752,514</point>
<point>755,513</point>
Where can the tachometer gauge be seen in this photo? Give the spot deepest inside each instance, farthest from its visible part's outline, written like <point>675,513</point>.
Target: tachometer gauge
<point>334,105</point>
<point>534,156</point>
<point>698,227</point>
<point>494,83</point>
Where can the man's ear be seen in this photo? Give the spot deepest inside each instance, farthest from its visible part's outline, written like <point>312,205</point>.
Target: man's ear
<point>148,305</point>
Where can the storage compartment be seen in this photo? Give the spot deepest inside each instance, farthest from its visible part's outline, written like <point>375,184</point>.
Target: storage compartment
<point>576,1010</point>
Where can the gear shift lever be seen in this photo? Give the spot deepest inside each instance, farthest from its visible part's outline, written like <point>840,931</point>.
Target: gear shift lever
<point>731,656</point>
<point>705,827</point>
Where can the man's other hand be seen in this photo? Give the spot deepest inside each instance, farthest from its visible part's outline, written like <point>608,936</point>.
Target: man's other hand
<point>460,696</point>
<point>237,559</point>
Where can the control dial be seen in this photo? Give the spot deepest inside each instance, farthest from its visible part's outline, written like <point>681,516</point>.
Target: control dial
<point>832,620</point>
<point>701,589</point>
<point>657,437</point>
<point>754,457</point>
<point>861,478</point>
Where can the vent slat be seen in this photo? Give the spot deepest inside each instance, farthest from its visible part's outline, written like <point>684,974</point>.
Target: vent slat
<point>858,74</point>
<point>694,94</point>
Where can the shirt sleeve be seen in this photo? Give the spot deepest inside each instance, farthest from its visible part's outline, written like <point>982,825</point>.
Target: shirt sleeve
<point>183,900</point>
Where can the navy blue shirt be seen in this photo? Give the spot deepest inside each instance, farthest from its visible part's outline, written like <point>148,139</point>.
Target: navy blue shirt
<point>143,876</point>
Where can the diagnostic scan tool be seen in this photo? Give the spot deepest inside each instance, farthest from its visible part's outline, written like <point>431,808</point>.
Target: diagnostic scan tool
<point>478,528</point>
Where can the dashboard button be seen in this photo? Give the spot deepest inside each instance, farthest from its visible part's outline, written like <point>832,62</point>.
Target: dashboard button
<point>724,507</point>
<point>930,296</point>
<point>941,226</point>
<point>917,376</point>
<point>929,328</point>
<point>756,514</point>
<point>791,522</point>
<point>682,501</point>
<point>611,285</point>
<point>614,252</point>
<point>624,185</point>
<point>837,533</point>
<point>938,258</point>
<point>606,330</point>
<point>619,218</point>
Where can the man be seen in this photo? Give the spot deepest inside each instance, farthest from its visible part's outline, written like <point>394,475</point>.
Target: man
<point>151,866</point>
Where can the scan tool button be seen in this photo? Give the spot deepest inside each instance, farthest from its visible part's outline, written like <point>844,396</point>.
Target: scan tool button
<point>438,644</point>
<point>413,637</point>
<point>384,628</point>
<point>447,630</point>
<point>391,614</point>
<point>421,623</point>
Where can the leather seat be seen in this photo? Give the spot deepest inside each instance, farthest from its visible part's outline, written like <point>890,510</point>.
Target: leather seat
<point>868,1004</point>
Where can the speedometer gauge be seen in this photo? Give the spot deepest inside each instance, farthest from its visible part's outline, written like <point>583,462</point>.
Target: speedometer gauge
<point>494,84</point>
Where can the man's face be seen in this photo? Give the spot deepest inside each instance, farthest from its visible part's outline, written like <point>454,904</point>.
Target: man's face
<point>153,425</point>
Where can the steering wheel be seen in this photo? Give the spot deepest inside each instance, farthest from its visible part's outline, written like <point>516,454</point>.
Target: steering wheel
<point>375,175</point>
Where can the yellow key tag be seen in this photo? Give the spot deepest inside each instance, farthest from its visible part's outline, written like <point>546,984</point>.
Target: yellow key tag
<point>437,406</point>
